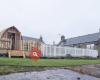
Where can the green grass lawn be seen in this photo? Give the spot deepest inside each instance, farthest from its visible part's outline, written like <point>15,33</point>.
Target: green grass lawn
<point>10,65</point>
<point>47,62</point>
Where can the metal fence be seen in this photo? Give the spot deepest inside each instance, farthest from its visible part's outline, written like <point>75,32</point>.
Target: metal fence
<point>55,51</point>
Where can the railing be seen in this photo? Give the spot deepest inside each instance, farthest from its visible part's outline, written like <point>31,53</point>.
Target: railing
<point>18,53</point>
<point>5,43</point>
<point>54,51</point>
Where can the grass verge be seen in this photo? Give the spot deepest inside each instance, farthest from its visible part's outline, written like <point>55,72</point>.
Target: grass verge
<point>13,65</point>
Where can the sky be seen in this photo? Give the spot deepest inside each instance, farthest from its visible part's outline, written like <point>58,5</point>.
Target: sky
<point>51,18</point>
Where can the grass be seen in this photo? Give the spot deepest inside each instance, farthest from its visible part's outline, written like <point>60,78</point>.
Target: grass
<point>11,65</point>
<point>47,62</point>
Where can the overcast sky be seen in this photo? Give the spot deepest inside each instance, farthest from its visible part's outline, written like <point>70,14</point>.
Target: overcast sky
<point>51,18</point>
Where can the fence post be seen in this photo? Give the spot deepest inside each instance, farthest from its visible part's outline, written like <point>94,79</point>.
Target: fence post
<point>41,48</point>
<point>65,51</point>
<point>46,51</point>
<point>54,51</point>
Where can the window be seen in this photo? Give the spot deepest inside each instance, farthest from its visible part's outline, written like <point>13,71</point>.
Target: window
<point>26,46</point>
<point>90,46</point>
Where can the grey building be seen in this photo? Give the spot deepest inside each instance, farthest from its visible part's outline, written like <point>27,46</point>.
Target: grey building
<point>29,42</point>
<point>90,41</point>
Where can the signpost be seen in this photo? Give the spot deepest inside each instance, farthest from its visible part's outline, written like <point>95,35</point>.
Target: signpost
<point>35,54</point>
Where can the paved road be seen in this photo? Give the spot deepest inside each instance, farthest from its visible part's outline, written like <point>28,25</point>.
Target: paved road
<point>53,74</point>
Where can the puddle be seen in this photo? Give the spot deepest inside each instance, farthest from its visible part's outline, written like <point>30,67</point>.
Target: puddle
<point>55,74</point>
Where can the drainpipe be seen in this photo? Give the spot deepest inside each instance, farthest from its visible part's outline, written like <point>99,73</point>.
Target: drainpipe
<point>98,45</point>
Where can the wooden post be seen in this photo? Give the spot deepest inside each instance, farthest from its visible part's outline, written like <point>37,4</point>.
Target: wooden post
<point>9,54</point>
<point>23,54</point>
<point>20,42</point>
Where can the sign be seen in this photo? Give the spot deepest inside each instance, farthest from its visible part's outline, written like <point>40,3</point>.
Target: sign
<point>35,54</point>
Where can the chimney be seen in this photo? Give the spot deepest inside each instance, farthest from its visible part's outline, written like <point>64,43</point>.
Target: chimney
<point>62,38</point>
<point>41,39</point>
<point>54,43</point>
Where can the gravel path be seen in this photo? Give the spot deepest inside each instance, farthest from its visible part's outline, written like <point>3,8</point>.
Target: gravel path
<point>53,74</point>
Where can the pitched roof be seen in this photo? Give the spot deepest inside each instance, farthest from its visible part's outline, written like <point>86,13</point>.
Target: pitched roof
<point>2,32</point>
<point>29,38</point>
<point>83,39</point>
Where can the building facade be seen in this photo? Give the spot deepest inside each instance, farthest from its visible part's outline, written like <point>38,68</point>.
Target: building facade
<point>12,39</point>
<point>90,41</point>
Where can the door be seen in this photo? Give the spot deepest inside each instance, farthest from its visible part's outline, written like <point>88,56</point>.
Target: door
<point>11,36</point>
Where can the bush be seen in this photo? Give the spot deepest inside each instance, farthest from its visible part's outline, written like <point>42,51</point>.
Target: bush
<point>68,56</point>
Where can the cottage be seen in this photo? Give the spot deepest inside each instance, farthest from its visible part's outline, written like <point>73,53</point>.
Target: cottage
<point>90,41</point>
